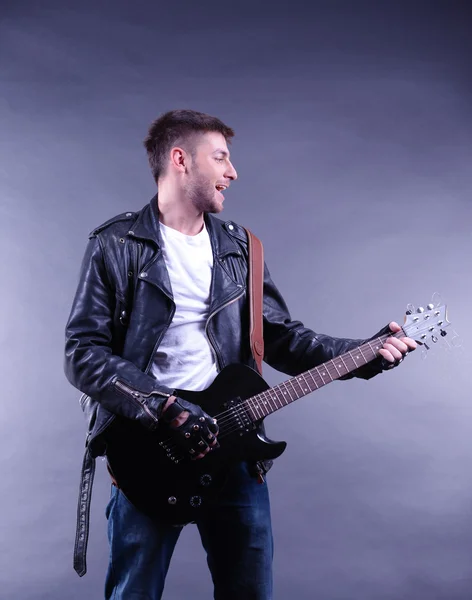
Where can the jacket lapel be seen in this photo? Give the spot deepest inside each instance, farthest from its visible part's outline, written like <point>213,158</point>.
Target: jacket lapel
<point>223,288</point>
<point>154,270</point>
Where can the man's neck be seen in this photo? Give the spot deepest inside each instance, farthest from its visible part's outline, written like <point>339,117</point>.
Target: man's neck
<point>187,227</point>
<point>178,214</point>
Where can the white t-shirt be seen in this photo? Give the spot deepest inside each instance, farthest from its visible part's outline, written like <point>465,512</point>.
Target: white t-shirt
<point>184,358</point>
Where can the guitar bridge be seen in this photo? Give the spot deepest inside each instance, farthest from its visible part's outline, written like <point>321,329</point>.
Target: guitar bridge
<point>239,416</point>
<point>172,451</point>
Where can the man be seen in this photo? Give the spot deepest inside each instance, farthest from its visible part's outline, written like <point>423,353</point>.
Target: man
<point>162,305</point>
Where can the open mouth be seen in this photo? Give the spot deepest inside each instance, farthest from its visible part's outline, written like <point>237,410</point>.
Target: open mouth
<point>220,189</point>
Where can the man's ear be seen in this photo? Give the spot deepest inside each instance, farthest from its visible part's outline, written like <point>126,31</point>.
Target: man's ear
<point>179,159</point>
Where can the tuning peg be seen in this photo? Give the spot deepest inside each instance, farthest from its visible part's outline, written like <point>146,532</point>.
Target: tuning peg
<point>430,306</point>
<point>420,309</point>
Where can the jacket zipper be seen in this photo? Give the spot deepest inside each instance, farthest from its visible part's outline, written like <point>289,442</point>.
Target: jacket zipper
<point>215,354</point>
<point>137,397</point>
<point>159,340</point>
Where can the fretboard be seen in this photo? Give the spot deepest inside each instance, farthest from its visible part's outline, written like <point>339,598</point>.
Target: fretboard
<point>285,393</point>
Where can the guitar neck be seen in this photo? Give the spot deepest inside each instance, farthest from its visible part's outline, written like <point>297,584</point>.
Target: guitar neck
<point>263,404</point>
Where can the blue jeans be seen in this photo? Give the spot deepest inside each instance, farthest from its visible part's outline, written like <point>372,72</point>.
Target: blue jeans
<point>237,538</point>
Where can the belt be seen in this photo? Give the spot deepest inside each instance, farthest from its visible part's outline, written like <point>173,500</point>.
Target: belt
<point>83,513</point>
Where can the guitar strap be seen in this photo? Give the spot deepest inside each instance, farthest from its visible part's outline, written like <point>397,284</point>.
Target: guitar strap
<point>256,293</point>
<point>256,322</point>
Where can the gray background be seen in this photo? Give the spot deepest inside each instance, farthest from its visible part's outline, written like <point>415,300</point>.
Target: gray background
<point>353,148</point>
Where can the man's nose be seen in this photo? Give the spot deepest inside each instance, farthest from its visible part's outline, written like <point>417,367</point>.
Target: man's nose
<point>231,172</point>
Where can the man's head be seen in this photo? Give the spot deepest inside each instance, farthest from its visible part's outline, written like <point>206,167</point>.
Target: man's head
<point>189,151</point>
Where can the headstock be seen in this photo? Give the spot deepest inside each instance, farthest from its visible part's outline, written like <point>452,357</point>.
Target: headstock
<point>427,325</point>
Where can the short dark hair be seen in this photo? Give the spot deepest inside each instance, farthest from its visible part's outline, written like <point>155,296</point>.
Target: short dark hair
<point>177,127</point>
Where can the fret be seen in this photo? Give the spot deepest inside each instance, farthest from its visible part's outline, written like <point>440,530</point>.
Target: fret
<point>323,373</point>
<point>275,397</point>
<point>355,359</point>
<point>282,395</point>
<point>374,352</point>
<point>256,407</point>
<point>371,350</point>
<point>344,364</point>
<point>295,380</point>
<point>270,403</point>
<point>318,372</point>
<point>293,387</point>
<point>263,406</point>
<point>319,379</point>
<point>260,406</point>
<point>288,392</point>
<point>377,348</point>
<point>285,398</point>
<point>334,365</point>
<point>330,371</point>
<point>310,373</point>
<point>362,354</point>
<point>339,366</point>
<point>278,394</point>
<point>251,403</point>
<point>306,389</point>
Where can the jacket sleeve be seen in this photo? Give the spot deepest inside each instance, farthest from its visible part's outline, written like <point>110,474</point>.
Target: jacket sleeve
<point>90,364</point>
<point>292,348</point>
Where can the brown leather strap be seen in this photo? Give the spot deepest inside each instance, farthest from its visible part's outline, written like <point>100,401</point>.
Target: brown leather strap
<point>256,291</point>
<point>110,472</point>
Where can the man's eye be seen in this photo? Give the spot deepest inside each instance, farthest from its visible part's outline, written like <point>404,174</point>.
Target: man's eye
<point>219,160</point>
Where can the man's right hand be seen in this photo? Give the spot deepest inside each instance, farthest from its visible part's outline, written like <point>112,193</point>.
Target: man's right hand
<point>196,431</point>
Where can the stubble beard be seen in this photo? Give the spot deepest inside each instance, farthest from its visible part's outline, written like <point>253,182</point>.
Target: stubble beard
<point>201,194</point>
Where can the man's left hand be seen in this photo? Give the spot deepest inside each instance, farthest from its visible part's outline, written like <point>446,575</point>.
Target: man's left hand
<point>395,349</point>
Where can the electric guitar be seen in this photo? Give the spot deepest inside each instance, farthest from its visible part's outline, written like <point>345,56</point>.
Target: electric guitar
<point>161,480</point>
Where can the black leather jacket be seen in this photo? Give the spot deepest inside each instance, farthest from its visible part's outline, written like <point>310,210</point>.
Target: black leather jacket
<point>124,305</point>
<point>122,309</point>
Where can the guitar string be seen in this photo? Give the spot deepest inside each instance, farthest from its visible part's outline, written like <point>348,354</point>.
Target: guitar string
<point>229,413</point>
<point>227,417</point>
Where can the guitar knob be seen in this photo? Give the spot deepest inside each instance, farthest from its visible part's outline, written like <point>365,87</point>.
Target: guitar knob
<point>205,479</point>
<point>172,500</point>
<point>195,501</point>
<point>430,306</point>
<point>420,309</point>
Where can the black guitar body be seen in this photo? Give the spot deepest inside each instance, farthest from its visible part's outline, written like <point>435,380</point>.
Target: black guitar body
<point>160,480</point>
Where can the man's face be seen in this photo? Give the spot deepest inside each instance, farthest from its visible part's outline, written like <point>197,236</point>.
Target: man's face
<point>210,173</point>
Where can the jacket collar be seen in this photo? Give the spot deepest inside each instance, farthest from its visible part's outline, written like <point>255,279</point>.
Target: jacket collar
<point>223,288</point>
<point>147,226</point>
